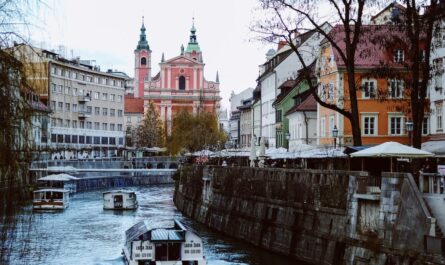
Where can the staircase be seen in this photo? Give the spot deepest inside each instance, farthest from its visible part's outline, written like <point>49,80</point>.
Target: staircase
<point>439,232</point>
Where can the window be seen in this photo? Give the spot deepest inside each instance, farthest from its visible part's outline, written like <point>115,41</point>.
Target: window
<point>96,140</point>
<point>74,90</point>
<point>74,107</point>
<point>128,119</point>
<point>67,107</point>
<point>88,140</point>
<point>181,82</point>
<point>89,109</point>
<point>67,123</point>
<point>323,127</point>
<point>53,87</point>
<point>53,121</point>
<point>140,119</point>
<point>119,98</point>
<point>74,124</point>
<point>53,105</point>
<point>105,111</point>
<point>277,115</point>
<point>395,88</point>
<point>60,106</point>
<point>121,141</point>
<point>331,91</point>
<point>143,61</point>
<point>67,138</point>
<point>119,127</point>
<point>81,139</point>
<point>396,125</point>
<point>112,96</point>
<point>96,95</point>
<point>112,141</point>
<point>81,124</point>
<point>104,140</point>
<point>67,90</point>
<point>112,112</point>
<point>74,139</point>
<point>59,122</point>
<point>104,126</point>
<point>97,126</point>
<point>96,110</point>
<point>60,89</point>
<point>104,96</point>
<point>369,88</point>
<point>119,113</point>
<point>369,125</point>
<point>399,56</point>
<point>439,117</point>
<point>425,126</point>
<point>89,125</point>
<point>112,126</point>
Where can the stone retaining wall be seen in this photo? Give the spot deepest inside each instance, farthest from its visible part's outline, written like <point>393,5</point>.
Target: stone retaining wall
<point>310,215</point>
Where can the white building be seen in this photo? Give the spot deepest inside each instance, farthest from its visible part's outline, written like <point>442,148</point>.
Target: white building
<point>87,105</point>
<point>303,123</point>
<point>223,120</point>
<point>236,100</point>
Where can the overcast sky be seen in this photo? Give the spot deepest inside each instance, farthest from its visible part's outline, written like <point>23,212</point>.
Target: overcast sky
<point>108,31</point>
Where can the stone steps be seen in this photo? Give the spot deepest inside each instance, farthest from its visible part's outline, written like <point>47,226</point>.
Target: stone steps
<point>439,232</point>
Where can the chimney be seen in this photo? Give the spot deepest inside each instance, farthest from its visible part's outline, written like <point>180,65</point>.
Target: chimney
<point>281,44</point>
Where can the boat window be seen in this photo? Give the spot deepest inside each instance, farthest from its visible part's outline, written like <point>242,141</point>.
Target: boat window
<point>131,195</point>
<point>168,251</point>
<point>39,195</point>
<point>58,195</point>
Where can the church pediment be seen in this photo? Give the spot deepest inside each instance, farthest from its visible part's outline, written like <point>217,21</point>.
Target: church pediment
<point>181,60</point>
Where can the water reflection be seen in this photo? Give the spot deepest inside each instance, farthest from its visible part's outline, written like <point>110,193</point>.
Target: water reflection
<point>86,234</point>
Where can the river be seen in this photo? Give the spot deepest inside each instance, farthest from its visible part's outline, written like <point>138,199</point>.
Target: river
<point>86,234</point>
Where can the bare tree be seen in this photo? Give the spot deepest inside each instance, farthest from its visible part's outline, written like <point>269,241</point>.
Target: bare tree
<point>286,17</point>
<point>150,133</point>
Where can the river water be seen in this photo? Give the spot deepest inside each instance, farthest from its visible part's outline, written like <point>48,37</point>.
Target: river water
<point>86,234</point>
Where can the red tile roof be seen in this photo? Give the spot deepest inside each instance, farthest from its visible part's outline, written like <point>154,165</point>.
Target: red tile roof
<point>375,47</point>
<point>309,104</point>
<point>134,105</point>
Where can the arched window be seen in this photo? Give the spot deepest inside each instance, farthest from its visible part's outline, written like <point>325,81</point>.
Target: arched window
<point>181,82</point>
<point>143,61</point>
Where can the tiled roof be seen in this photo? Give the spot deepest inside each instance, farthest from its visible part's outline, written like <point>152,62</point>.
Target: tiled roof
<point>309,104</point>
<point>285,89</point>
<point>374,50</point>
<point>134,105</point>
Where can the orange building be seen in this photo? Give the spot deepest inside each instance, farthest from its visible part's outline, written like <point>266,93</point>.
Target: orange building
<point>382,91</point>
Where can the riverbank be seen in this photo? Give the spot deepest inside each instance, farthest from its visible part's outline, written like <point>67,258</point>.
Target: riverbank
<point>321,217</point>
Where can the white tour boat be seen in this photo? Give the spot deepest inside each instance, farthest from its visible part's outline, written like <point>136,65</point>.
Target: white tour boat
<point>175,245</point>
<point>120,200</point>
<point>51,199</point>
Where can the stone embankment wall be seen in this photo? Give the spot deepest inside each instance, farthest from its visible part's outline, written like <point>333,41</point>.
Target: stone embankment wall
<point>321,217</point>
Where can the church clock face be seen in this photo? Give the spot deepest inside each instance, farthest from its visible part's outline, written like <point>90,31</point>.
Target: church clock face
<point>182,71</point>
<point>212,86</point>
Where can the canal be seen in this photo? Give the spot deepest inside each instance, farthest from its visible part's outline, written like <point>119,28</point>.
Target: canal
<point>86,234</point>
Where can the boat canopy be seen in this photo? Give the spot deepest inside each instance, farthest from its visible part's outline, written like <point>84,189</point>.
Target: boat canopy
<point>145,230</point>
<point>51,190</point>
<point>162,235</point>
<point>58,177</point>
<point>119,191</point>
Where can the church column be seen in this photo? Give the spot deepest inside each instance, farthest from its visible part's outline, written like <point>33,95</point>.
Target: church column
<point>195,80</point>
<point>162,77</point>
<point>169,77</point>
<point>162,112</point>
<point>169,118</point>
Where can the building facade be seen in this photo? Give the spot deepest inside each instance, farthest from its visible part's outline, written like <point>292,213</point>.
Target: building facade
<point>134,114</point>
<point>87,106</point>
<point>236,100</point>
<point>180,83</point>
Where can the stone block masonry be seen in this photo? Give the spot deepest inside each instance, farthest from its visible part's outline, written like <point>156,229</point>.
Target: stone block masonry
<point>314,216</point>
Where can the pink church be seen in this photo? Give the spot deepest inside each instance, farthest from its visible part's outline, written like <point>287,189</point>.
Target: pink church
<point>180,83</point>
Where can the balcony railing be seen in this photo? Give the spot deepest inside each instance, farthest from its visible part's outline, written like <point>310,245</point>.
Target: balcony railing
<point>84,98</point>
<point>84,114</point>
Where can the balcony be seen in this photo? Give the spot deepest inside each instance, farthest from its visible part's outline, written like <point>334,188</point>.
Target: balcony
<point>82,114</point>
<point>84,98</point>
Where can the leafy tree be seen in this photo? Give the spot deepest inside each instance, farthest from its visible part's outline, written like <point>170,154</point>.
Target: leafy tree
<point>195,132</point>
<point>150,133</point>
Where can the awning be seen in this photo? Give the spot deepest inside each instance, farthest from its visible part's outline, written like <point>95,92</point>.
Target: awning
<point>435,147</point>
<point>392,149</point>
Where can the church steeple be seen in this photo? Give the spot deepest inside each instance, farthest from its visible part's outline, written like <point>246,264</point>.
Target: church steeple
<point>193,43</point>
<point>143,44</point>
<point>217,77</point>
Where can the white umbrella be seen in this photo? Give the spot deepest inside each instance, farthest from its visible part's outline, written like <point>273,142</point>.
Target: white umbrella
<point>392,149</point>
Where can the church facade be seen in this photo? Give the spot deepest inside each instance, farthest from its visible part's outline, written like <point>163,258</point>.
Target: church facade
<point>180,83</point>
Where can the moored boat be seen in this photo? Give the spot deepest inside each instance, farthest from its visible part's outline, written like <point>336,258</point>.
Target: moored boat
<point>120,200</point>
<point>173,245</point>
<point>50,199</point>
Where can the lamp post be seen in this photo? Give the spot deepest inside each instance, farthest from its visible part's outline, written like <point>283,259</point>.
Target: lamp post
<point>287,135</point>
<point>335,135</point>
<point>409,128</point>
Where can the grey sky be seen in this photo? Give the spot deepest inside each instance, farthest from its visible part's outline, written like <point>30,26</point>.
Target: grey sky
<point>108,31</point>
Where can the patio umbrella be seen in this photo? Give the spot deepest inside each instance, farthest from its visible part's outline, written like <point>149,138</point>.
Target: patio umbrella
<point>392,149</point>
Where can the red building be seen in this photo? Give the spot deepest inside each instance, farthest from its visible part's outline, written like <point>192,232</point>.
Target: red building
<point>180,83</point>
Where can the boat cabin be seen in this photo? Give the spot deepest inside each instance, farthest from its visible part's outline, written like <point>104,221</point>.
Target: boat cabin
<point>50,199</point>
<point>145,244</point>
<point>120,200</point>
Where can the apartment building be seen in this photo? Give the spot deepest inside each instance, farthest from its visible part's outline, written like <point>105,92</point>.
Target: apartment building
<point>87,105</point>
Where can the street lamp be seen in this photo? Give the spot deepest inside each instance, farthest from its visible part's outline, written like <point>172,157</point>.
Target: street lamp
<point>287,135</point>
<point>409,128</point>
<point>335,134</point>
